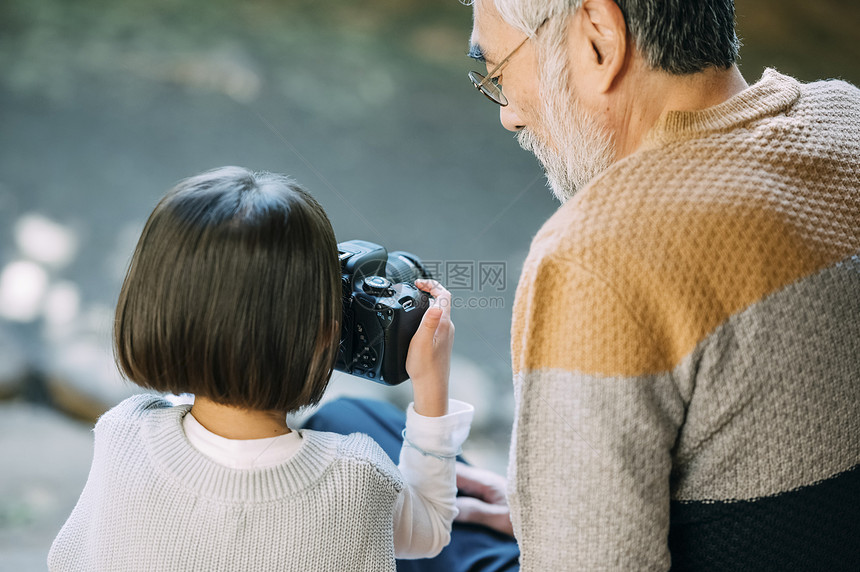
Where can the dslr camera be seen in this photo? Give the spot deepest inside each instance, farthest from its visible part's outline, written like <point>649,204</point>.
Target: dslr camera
<point>382,309</point>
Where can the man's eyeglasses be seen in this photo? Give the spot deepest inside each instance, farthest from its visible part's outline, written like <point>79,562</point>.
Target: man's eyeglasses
<point>489,85</point>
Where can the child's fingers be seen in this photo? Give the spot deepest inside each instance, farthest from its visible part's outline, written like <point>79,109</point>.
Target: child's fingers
<point>431,318</point>
<point>432,287</point>
<point>435,289</point>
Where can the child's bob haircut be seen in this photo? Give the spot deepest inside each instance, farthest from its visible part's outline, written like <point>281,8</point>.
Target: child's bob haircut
<point>233,293</point>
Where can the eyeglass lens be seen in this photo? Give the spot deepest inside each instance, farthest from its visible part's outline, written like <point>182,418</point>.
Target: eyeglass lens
<point>488,87</point>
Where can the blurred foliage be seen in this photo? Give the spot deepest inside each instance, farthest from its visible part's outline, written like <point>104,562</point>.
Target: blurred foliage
<point>47,45</point>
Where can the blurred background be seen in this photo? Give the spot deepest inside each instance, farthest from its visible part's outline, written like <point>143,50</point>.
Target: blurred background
<point>104,105</point>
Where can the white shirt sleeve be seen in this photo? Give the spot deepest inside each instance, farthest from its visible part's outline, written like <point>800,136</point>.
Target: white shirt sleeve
<point>427,505</point>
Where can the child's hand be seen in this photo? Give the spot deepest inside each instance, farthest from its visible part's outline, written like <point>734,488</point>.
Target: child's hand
<point>428,361</point>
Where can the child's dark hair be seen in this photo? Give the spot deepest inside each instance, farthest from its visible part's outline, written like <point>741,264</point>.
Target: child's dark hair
<point>233,293</point>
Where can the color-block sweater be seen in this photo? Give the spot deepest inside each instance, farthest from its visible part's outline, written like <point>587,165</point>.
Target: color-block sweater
<point>686,348</point>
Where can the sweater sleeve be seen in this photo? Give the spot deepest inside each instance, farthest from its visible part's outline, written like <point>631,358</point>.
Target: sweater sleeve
<point>426,506</point>
<point>595,425</point>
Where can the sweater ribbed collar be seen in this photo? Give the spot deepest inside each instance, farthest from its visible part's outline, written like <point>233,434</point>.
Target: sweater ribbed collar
<point>771,95</point>
<point>175,457</point>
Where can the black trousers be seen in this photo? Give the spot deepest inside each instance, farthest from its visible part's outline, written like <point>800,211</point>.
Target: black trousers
<point>473,547</point>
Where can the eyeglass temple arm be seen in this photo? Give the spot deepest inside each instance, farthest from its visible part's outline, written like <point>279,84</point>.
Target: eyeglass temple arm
<point>492,72</point>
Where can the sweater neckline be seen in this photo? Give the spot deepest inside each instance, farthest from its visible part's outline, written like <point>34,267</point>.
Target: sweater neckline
<point>240,453</point>
<point>175,457</point>
<point>771,95</point>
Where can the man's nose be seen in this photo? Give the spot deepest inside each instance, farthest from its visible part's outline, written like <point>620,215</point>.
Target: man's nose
<point>509,118</point>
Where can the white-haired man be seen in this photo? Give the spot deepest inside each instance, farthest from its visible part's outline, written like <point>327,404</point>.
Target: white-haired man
<point>686,331</point>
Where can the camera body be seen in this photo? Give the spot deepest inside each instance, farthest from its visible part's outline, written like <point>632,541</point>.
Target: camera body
<point>382,309</point>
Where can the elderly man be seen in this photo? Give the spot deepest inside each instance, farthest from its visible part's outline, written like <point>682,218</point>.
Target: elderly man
<point>686,332</point>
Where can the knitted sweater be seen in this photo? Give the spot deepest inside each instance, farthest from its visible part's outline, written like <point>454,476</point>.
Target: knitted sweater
<point>686,348</point>
<point>152,502</point>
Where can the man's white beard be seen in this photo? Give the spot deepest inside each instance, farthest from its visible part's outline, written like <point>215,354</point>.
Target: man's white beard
<point>584,148</point>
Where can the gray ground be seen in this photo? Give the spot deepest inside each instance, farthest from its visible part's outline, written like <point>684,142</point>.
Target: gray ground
<point>105,105</point>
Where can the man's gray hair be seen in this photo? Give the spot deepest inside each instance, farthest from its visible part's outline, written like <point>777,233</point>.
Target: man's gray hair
<point>676,36</point>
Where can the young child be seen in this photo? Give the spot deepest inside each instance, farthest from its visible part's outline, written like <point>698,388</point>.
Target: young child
<point>234,294</point>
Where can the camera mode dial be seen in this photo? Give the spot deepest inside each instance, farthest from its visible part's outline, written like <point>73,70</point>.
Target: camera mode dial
<point>377,286</point>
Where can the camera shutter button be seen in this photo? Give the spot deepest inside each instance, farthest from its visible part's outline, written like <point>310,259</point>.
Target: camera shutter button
<point>376,285</point>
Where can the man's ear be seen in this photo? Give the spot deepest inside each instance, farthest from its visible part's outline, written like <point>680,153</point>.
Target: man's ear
<point>597,40</point>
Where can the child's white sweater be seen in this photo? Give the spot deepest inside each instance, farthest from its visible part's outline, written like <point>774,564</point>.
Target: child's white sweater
<point>154,502</point>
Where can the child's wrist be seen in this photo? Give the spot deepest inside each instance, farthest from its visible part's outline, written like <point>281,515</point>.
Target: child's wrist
<point>432,409</point>
<point>430,402</point>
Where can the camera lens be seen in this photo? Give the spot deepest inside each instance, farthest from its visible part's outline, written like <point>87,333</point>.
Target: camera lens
<point>404,267</point>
